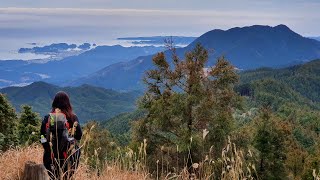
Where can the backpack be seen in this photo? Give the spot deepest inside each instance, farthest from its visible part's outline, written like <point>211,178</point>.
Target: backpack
<point>57,134</point>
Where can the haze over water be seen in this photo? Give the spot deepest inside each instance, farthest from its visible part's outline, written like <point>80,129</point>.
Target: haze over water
<point>102,21</point>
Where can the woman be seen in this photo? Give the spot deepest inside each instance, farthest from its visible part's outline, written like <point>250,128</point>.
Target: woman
<point>60,128</point>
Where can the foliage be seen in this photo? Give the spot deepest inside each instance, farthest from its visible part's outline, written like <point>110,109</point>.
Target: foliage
<point>291,133</point>
<point>269,141</point>
<point>28,127</point>
<point>297,84</point>
<point>98,144</point>
<point>8,124</point>
<point>293,95</point>
<point>120,126</point>
<point>183,99</point>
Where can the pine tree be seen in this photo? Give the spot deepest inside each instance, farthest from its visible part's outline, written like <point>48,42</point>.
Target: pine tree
<point>29,125</point>
<point>8,124</point>
<point>270,141</point>
<point>184,98</point>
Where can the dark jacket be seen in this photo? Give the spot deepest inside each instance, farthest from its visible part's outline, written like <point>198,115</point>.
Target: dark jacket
<point>78,133</point>
<point>47,153</point>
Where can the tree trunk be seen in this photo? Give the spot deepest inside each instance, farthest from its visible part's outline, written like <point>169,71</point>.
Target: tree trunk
<point>33,171</point>
<point>190,156</point>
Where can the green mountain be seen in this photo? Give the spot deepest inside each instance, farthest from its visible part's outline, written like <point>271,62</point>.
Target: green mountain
<point>299,84</point>
<point>120,125</point>
<point>294,95</point>
<point>89,103</point>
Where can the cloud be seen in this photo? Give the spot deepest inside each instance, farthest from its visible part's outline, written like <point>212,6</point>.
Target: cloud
<point>129,12</point>
<point>163,4</point>
<point>123,21</point>
<point>78,16</point>
<point>99,23</point>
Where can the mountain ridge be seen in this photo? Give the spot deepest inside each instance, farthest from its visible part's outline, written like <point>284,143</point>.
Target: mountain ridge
<point>249,47</point>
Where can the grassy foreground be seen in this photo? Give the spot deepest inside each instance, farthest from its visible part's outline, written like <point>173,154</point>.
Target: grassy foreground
<point>12,164</point>
<point>232,165</point>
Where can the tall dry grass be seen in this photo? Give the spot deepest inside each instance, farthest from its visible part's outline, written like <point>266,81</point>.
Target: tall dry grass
<point>12,161</point>
<point>130,165</point>
<point>12,164</point>
<point>232,165</point>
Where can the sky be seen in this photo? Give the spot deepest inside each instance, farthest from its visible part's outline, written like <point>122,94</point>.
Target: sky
<point>102,21</point>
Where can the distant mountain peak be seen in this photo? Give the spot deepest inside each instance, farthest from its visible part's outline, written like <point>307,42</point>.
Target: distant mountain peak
<point>41,85</point>
<point>256,26</point>
<point>282,26</point>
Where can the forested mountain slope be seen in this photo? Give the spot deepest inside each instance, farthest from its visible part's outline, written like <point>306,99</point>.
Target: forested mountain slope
<point>89,103</point>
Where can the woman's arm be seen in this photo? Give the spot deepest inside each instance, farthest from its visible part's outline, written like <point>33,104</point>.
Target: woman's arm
<point>43,126</point>
<point>78,133</point>
<point>44,133</point>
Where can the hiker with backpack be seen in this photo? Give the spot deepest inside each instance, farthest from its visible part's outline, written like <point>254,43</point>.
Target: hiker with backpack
<point>60,131</point>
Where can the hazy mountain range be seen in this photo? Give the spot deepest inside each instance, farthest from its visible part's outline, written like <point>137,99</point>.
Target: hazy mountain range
<point>62,71</point>
<point>55,51</point>
<point>246,48</point>
<point>54,48</point>
<point>122,68</point>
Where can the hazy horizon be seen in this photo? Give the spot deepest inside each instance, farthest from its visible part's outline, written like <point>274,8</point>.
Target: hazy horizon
<point>102,21</point>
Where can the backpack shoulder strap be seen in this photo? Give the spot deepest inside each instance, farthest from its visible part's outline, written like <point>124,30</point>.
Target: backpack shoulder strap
<point>48,122</point>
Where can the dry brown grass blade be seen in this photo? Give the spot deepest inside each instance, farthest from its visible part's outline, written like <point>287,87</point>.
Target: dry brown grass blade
<point>12,161</point>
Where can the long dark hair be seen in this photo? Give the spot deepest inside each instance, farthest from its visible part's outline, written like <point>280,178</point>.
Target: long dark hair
<point>62,101</point>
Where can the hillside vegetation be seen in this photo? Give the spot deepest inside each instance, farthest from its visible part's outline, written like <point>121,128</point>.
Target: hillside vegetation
<point>304,79</point>
<point>89,103</point>
<point>278,106</point>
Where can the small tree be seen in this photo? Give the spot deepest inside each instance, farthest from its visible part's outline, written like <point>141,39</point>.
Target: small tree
<point>99,145</point>
<point>183,98</point>
<point>29,125</point>
<point>270,141</point>
<point>8,124</point>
